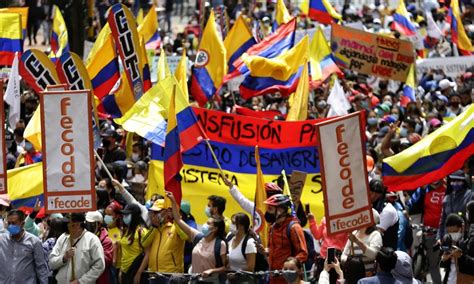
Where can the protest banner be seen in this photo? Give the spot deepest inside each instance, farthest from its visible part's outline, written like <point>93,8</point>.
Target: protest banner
<point>344,174</point>
<point>296,184</point>
<point>452,66</point>
<point>3,156</point>
<point>68,159</point>
<point>372,54</point>
<point>282,145</point>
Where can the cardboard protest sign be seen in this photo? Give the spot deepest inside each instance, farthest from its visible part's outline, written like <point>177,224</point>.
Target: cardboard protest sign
<point>344,174</point>
<point>372,54</point>
<point>3,156</point>
<point>68,169</point>
<point>296,184</point>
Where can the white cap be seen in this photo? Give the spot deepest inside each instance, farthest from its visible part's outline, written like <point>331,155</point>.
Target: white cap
<point>94,216</point>
<point>445,83</point>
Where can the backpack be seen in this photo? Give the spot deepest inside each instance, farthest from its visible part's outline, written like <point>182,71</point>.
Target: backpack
<point>261,263</point>
<point>217,253</point>
<point>309,245</point>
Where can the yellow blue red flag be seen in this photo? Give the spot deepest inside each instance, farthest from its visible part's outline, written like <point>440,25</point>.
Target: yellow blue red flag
<point>321,60</point>
<point>280,74</point>
<point>25,185</point>
<point>59,36</point>
<point>401,20</point>
<point>238,41</point>
<point>458,34</point>
<point>125,35</point>
<point>23,11</point>
<point>149,29</point>
<point>323,12</point>
<point>282,16</point>
<point>409,88</point>
<point>210,66</point>
<point>10,37</point>
<point>433,157</point>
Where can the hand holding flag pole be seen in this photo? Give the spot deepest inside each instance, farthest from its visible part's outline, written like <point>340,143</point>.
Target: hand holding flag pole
<point>214,156</point>
<point>103,164</point>
<point>286,190</point>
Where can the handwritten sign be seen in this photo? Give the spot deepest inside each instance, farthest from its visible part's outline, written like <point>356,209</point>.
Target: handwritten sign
<point>372,54</point>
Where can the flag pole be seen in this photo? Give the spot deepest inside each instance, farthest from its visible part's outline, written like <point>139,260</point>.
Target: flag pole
<point>214,156</point>
<point>103,164</point>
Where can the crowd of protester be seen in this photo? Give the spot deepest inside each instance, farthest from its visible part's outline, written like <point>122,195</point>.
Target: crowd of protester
<point>133,240</point>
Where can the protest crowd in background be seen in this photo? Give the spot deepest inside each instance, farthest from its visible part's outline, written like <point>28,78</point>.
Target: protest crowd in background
<point>206,165</point>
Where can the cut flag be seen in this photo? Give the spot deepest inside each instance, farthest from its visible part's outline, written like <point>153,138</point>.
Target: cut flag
<point>149,30</point>
<point>10,37</point>
<point>210,66</point>
<point>458,33</point>
<point>259,223</point>
<point>238,40</point>
<point>25,185</point>
<point>409,88</point>
<point>280,74</point>
<point>323,12</point>
<point>401,20</point>
<point>172,155</point>
<point>321,61</point>
<point>271,46</point>
<point>299,99</point>
<point>12,94</point>
<point>59,37</point>
<point>434,157</point>
<point>337,101</point>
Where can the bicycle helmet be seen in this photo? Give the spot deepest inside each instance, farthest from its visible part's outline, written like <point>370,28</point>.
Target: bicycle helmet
<point>278,200</point>
<point>272,188</point>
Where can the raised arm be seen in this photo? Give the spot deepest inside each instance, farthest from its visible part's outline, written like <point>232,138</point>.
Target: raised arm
<point>188,230</point>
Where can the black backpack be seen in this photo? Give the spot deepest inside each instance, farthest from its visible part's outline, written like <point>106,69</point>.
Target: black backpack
<point>309,245</point>
<point>261,263</point>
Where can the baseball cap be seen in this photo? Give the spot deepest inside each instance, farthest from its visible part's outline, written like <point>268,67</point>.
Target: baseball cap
<point>109,133</point>
<point>185,206</point>
<point>158,205</point>
<point>370,163</point>
<point>94,216</point>
<point>445,83</point>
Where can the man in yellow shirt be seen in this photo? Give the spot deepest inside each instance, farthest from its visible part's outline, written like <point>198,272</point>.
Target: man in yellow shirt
<point>167,249</point>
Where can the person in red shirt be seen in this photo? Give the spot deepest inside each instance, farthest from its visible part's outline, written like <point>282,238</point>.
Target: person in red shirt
<point>285,236</point>
<point>429,200</point>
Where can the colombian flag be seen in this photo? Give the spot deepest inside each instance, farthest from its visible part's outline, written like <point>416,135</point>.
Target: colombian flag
<point>409,88</point>
<point>434,157</point>
<point>321,60</point>
<point>10,37</point>
<point>25,185</point>
<point>323,12</point>
<point>210,66</point>
<point>172,158</point>
<point>401,21</point>
<point>259,207</point>
<point>103,66</point>
<point>23,11</point>
<point>59,37</point>
<point>279,74</point>
<point>271,46</point>
<point>458,34</point>
<point>238,40</point>
<point>148,29</point>
<point>282,16</point>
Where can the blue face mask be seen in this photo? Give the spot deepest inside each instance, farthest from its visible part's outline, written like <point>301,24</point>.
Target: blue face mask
<point>364,104</point>
<point>14,229</point>
<point>148,204</point>
<point>127,219</point>
<point>372,121</point>
<point>208,211</point>
<point>205,230</point>
<point>403,132</point>
<point>108,219</point>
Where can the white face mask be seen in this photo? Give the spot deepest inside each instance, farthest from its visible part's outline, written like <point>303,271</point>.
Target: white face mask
<point>455,236</point>
<point>139,178</point>
<point>135,157</point>
<point>233,229</point>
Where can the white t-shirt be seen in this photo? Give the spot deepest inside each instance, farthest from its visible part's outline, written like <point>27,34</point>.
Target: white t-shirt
<point>388,217</point>
<point>236,259</point>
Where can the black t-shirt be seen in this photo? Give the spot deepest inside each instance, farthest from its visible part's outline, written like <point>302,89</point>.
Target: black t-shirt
<point>116,154</point>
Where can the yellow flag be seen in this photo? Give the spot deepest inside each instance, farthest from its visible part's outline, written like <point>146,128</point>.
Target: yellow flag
<point>282,16</point>
<point>33,130</point>
<point>25,185</point>
<point>260,197</point>
<point>163,68</point>
<point>299,106</point>
<point>181,75</point>
<point>140,16</point>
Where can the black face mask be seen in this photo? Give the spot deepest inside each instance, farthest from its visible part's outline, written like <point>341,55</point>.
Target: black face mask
<point>91,227</point>
<point>106,143</point>
<point>270,217</point>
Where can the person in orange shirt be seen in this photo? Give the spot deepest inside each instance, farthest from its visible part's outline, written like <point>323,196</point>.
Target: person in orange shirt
<point>285,236</point>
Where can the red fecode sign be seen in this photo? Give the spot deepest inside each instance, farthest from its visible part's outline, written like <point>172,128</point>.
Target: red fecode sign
<point>3,163</point>
<point>344,174</point>
<point>68,169</point>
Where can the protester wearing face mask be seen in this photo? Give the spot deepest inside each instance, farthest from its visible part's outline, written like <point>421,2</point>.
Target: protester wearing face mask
<point>140,172</point>
<point>77,255</point>
<point>29,156</point>
<point>242,249</point>
<point>112,152</point>
<point>282,245</point>
<point>321,107</point>
<point>210,250</point>
<point>372,125</point>
<point>457,196</point>
<point>94,221</point>
<point>167,248</point>
<point>216,207</point>
<point>455,104</point>
<point>293,271</point>
<point>139,152</point>
<point>113,221</point>
<point>56,227</point>
<point>21,254</point>
<point>451,248</point>
<point>134,245</point>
